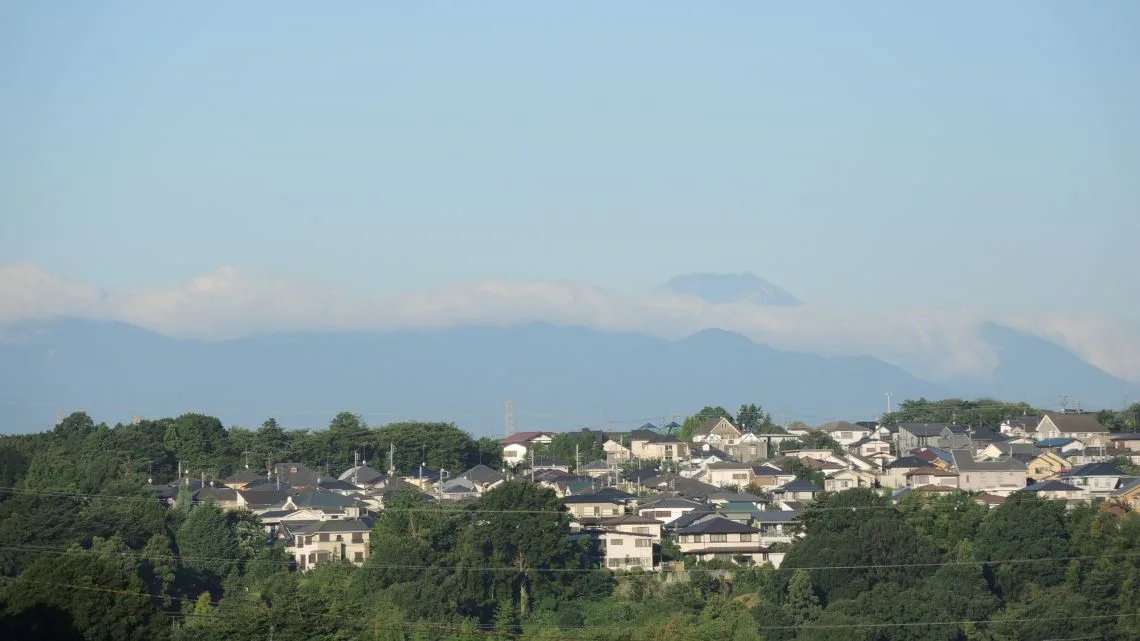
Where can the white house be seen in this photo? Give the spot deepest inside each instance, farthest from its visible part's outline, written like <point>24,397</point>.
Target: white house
<point>1083,427</point>
<point>517,446</point>
<point>718,432</point>
<point>845,433</point>
<point>720,538</point>
<point>627,541</point>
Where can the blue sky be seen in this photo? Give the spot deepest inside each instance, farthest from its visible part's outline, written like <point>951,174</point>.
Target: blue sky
<point>868,155</point>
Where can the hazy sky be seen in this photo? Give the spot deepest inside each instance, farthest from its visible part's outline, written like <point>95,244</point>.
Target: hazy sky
<point>869,154</point>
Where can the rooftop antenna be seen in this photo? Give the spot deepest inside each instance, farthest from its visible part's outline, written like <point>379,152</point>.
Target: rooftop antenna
<point>510,406</point>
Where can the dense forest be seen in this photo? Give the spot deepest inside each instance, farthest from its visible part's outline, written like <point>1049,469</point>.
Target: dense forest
<point>87,552</point>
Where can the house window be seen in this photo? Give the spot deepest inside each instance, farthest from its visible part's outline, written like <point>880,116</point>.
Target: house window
<point>358,537</point>
<point>339,537</point>
<point>641,530</point>
<point>308,540</point>
<point>613,563</point>
<point>597,511</point>
<point>718,538</point>
<point>745,538</point>
<point>615,541</point>
<point>740,477</point>
<point>324,538</point>
<point>642,543</point>
<point>358,557</point>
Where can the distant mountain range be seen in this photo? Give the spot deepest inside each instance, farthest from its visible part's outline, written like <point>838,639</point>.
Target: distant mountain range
<point>731,288</point>
<point>558,377</point>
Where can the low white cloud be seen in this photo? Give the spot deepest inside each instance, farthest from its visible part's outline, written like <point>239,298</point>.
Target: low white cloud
<point>935,344</point>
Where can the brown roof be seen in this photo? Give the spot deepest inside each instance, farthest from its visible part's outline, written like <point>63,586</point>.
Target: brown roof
<point>706,428</point>
<point>989,499</point>
<point>1076,423</point>
<point>522,437</point>
<point>933,471</point>
<point>936,488</point>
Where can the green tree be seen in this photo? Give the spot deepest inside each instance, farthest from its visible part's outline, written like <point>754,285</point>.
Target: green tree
<point>753,418</point>
<point>207,543</point>
<point>693,422</point>
<point>802,604</point>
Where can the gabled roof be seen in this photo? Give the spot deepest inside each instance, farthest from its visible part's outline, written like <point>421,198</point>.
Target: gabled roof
<point>1052,486</point>
<point>718,525</point>
<point>907,461</point>
<point>799,485</point>
<point>923,429</point>
<point>522,437</point>
<point>483,475</point>
<point>986,435</point>
<point>217,494</point>
<point>931,471</point>
<point>1127,486</point>
<point>295,474</point>
<point>669,502</point>
<point>707,426</point>
<point>1060,441</point>
<point>322,499</point>
<point>264,495</point>
<point>736,497</point>
<point>1093,469</point>
<point>596,465</point>
<point>1076,423</point>
<point>730,465</point>
<point>964,461</point>
<point>1023,421</point>
<point>337,484</point>
<point>842,426</point>
<point>587,499</point>
<point>362,474</point>
<point>615,494</point>
<point>245,477</point>
<point>989,499</point>
<point>628,519</point>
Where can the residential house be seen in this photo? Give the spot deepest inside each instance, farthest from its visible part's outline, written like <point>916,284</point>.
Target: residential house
<point>1128,494</point>
<point>1129,441</point>
<point>296,475</point>
<point>819,455</point>
<point>718,432</point>
<point>1062,444</point>
<point>457,489</point>
<point>845,433</point>
<point>749,449</point>
<point>312,544</point>
<point>517,446</point>
<point>260,498</point>
<point>244,479</point>
<point>1056,490</point>
<point>776,526</point>
<point>989,500</point>
<point>769,476</point>
<point>598,469</point>
<point>1020,426</point>
<point>483,478</point>
<point>627,541</point>
<point>1047,465</point>
<point>363,476</point>
<point>324,501</point>
<point>995,476</point>
<point>593,506</point>
<point>914,436</point>
<point>680,486</point>
<point>1083,427</point>
<point>869,446</point>
<point>222,496</point>
<point>738,500</point>
<point>658,447</point>
<point>729,473</point>
<point>720,538</point>
<point>1098,455</point>
<point>1097,480</point>
<point>929,475</point>
<point>617,451</point>
<point>896,471</point>
<point>667,509</point>
<point>798,490</point>
<point>771,440</point>
<point>1006,449</point>
<point>849,479</point>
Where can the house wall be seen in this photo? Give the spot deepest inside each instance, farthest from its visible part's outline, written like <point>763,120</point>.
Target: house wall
<point>847,437</point>
<point>918,480</point>
<point>738,476</point>
<point>665,515</point>
<point>1046,467</point>
<point>588,510</point>
<point>616,452</point>
<point>621,551</point>
<point>847,480</point>
<point>710,541</point>
<point>514,453</point>
<point>982,481</point>
<point>310,550</point>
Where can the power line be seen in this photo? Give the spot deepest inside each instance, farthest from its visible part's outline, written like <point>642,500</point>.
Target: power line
<point>488,627</point>
<point>61,550</point>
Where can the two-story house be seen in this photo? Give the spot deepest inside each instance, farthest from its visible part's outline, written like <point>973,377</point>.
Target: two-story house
<point>849,479</point>
<point>718,432</point>
<point>1057,490</point>
<point>517,446</point>
<point>312,544</point>
<point>923,476</point>
<point>1096,480</point>
<point>846,433</point>
<point>592,506</point>
<point>720,538</point>
<point>1083,427</point>
<point>1019,426</point>
<point>729,473</point>
<point>914,436</point>
<point>994,476</point>
<point>776,526</point>
<point>1047,465</point>
<point>628,541</point>
<point>797,490</point>
<point>667,509</point>
<point>645,444</point>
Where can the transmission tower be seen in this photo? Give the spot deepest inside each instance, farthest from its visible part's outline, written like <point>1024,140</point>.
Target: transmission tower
<point>510,417</point>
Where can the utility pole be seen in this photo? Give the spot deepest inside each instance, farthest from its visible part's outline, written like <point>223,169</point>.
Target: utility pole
<point>532,463</point>
<point>392,459</point>
<point>577,464</point>
<point>247,453</point>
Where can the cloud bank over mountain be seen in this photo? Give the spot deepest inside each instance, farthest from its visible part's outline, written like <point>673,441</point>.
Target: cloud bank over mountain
<point>933,344</point>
